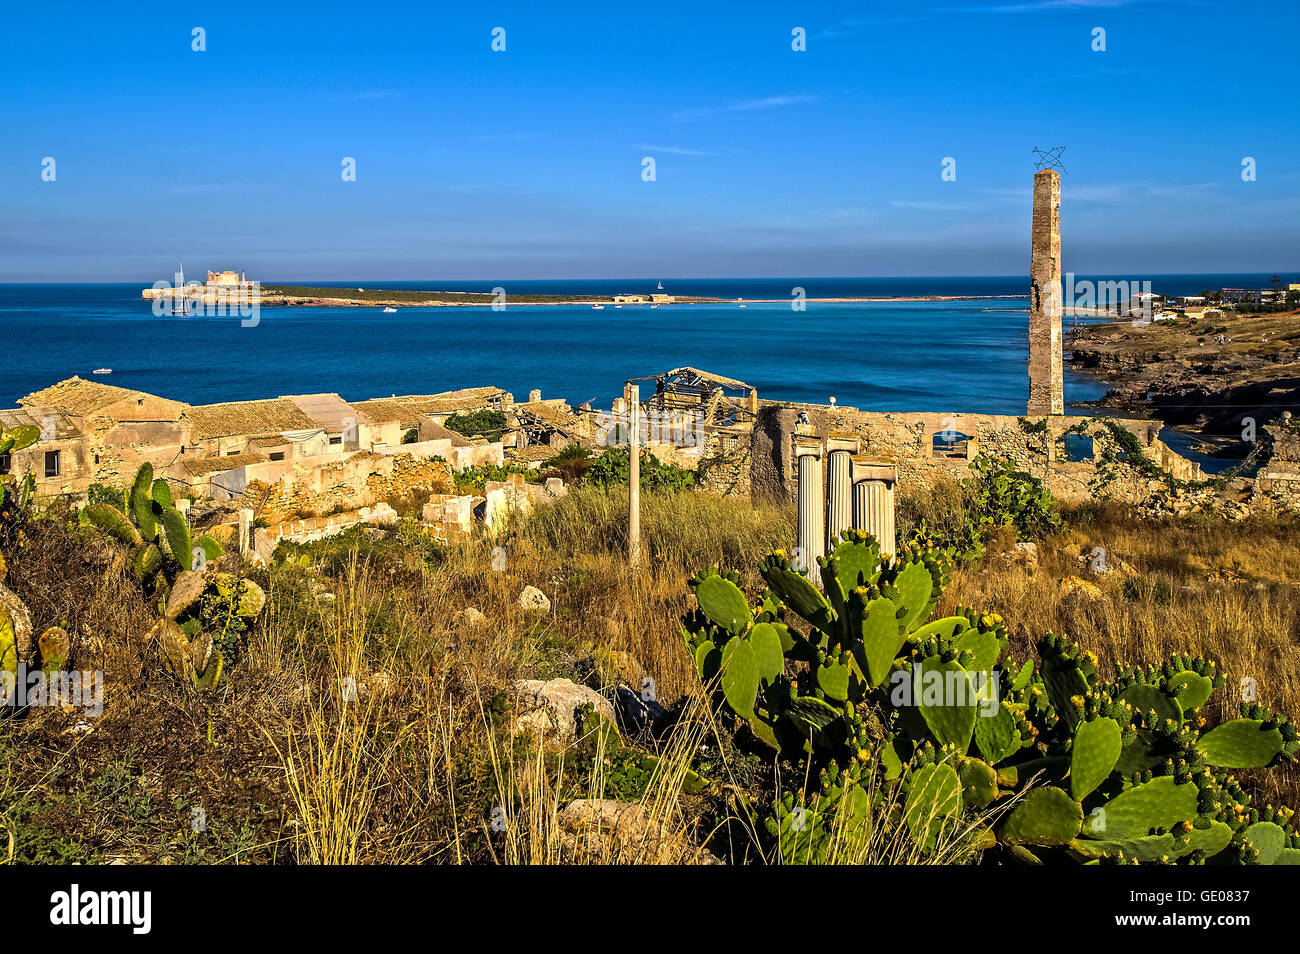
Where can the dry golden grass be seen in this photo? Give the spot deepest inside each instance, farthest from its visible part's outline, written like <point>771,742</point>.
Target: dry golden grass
<point>412,766</point>
<point>1227,592</point>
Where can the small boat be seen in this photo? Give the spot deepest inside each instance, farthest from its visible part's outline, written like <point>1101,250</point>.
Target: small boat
<point>744,306</point>
<point>102,371</point>
<point>618,306</point>
<point>390,310</point>
<point>181,304</point>
<point>597,307</point>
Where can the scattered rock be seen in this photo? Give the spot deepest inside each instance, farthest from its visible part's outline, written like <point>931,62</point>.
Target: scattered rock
<point>1078,590</point>
<point>623,832</point>
<point>81,728</point>
<point>636,713</point>
<point>1023,554</point>
<point>469,617</point>
<point>1102,563</point>
<point>550,709</point>
<point>531,598</point>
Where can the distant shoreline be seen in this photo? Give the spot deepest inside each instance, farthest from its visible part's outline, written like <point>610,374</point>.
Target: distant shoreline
<point>308,297</point>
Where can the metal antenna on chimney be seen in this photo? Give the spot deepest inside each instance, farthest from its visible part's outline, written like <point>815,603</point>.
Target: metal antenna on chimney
<point>1050,158</point>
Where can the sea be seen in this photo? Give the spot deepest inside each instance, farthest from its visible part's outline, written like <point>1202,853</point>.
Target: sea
<point>942,356</point>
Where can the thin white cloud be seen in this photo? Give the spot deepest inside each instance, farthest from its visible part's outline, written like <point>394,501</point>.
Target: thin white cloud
<point>1039,6</point>
<point>673,150</point>
<point>744,106</point>
<point>927,205</point>
<point>853,27</point>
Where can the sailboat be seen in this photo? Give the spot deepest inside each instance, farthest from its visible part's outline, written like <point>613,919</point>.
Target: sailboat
<point>661,285</point>
<point>180,305</point>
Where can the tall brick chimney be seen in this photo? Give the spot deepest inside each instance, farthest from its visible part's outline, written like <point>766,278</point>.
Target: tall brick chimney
<point>1046,388</point>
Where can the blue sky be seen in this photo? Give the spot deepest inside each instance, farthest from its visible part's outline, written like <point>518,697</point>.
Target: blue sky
<point>527,163</point>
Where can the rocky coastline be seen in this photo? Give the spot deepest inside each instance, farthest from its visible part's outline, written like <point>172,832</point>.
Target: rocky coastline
<point>1209,377</point>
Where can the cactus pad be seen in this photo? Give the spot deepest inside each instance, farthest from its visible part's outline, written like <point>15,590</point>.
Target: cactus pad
<point>946,696</point>
<point>113,522</point>
<point>723,603</point>
<point>933,802</point>
<point>740,676</point>
<point>1097,745</point>
<point>55,649</point>
<point>1045,816</point>
<point>997,736</point>
<point>1241,743</point>
<point>766,642</point>
<point>915,586</point>
<point>882,637</point>
<point>1154,848</point>
<point>1159,803</point>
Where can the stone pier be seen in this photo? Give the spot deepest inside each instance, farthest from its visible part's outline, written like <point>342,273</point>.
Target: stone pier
<point>1046,389</point>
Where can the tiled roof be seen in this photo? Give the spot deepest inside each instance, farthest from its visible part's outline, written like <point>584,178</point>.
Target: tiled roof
<point>198,466</point>
<point>451,405</point>
<point>329,411</point>
<point>78,397</point>
<point>383,410</point>
<point>407,408</point>
<point>64,429</point>
<point>248,417</point>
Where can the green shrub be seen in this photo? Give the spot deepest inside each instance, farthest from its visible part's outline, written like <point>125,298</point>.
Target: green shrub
<point>570,465</point>
<point>485,423</point>
<point>999,495</point>
<point>613,468</point>
<point>104,494</point>
<point>473,479</point>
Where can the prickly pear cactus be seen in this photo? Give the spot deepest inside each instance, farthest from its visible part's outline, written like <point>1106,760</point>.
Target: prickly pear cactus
<point>161,545</point>
<point>852,682</point>
<point>205,623</point>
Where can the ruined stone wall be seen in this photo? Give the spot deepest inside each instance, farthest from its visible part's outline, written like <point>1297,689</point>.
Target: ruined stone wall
<point>728,471</point>
<point>906,440</point>
<point>362,480</point>
<point>1278,481</point>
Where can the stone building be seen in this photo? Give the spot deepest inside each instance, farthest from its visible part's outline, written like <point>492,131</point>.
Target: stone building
<point>95,432</point>
<point>227,278</point>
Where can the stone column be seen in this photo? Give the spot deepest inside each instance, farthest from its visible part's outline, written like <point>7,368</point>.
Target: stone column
<point>873,511</point>
<point>634,478</point>
<point>245,531</point>
<point>812,529</point>
<point>839,494</point>
<point>1046,390</point>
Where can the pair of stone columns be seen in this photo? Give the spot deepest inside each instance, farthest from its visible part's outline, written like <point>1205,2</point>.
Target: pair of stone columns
<point>861,501</point>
